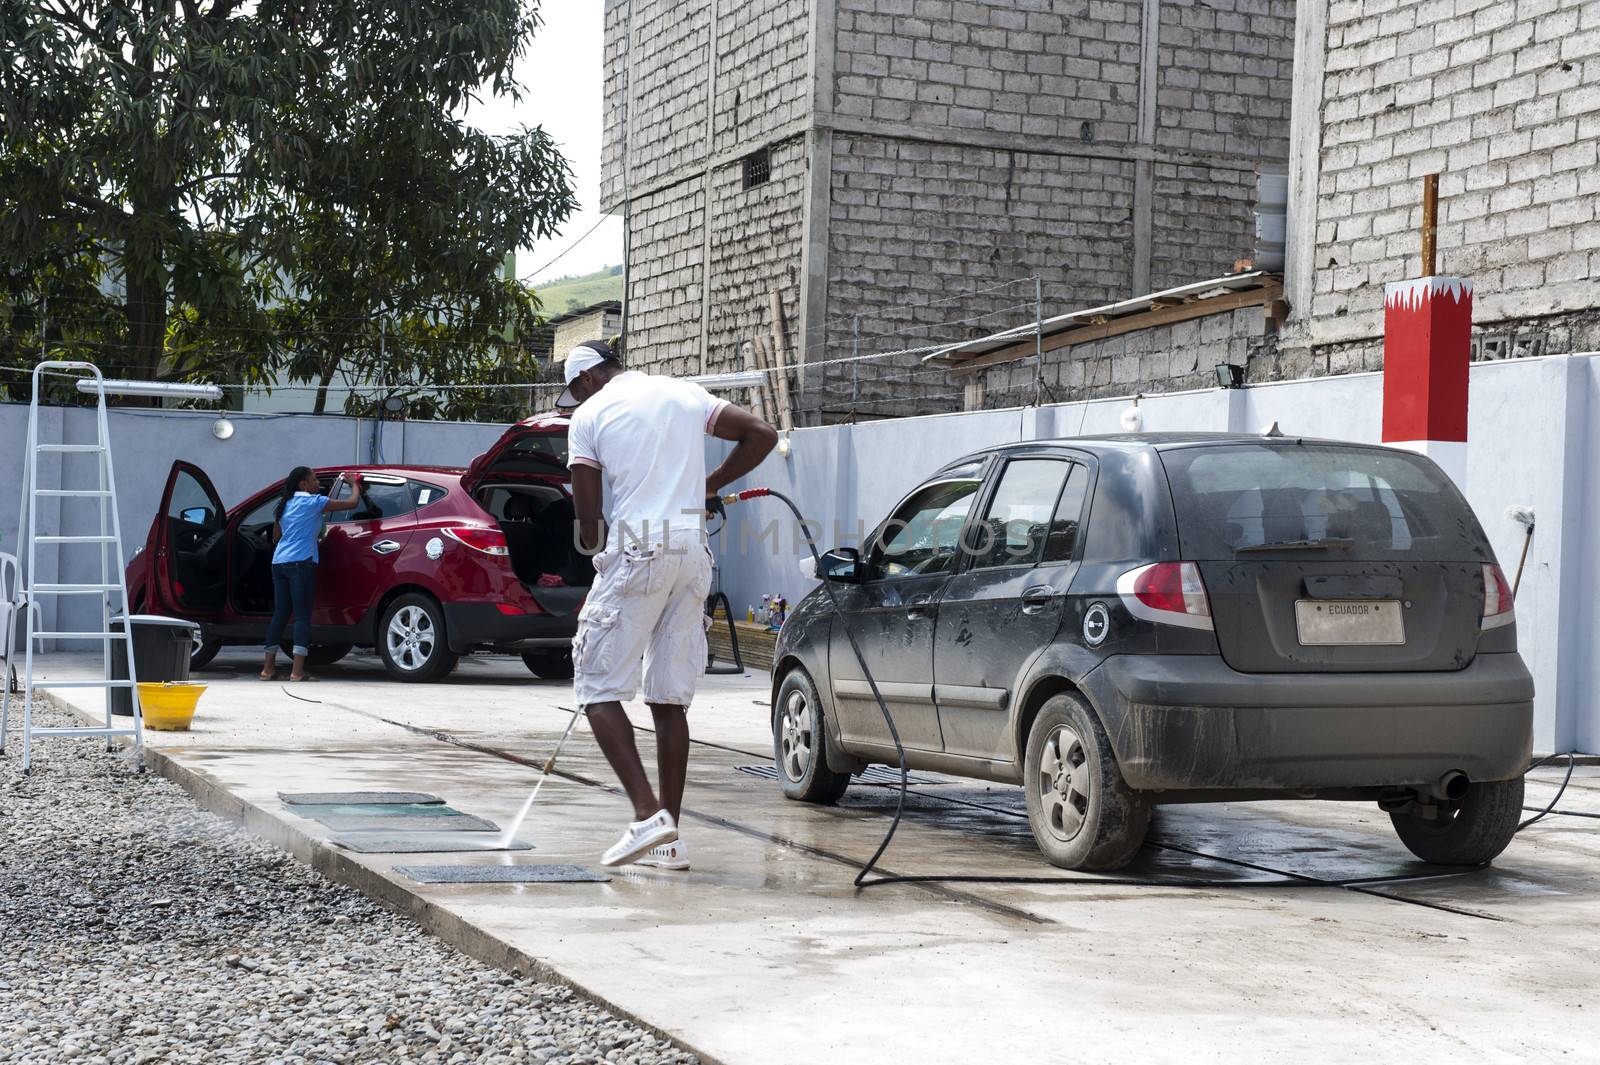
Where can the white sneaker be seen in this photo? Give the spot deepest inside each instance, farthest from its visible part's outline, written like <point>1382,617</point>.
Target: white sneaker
<point>673,856</point>
<point>640,837</point>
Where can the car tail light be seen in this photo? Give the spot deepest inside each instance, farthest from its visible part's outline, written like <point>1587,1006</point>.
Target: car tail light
<point>1170,593</point>
<point>510,610</point>
<point>1497,602</point>
<point>486,541</point>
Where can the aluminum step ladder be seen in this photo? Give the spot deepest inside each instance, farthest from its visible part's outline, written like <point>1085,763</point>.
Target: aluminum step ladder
<point>111,589</point>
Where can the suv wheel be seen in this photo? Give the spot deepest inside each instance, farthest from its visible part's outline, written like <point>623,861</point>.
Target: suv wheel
<point>411,640</point>
<point>1470,832</point>
<point>549,665</point>
<point>1083,814</point>
<point>202,649</point>
<point>798,745</point>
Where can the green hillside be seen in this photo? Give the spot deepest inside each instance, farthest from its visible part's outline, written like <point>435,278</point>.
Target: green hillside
<point>565,294</point>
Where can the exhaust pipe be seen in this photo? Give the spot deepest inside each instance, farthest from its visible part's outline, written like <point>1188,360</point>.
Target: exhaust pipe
<point>1451,785</point>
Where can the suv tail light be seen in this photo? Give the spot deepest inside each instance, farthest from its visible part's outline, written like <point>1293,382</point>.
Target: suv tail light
<point>1497,602</point>
<point>1170,593</point>
<point>486,541</point>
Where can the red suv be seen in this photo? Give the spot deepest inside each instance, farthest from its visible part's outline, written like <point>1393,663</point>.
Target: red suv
<point>434,564</point>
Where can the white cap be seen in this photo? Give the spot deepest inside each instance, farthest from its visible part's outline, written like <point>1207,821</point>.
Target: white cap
<point>585,356</point>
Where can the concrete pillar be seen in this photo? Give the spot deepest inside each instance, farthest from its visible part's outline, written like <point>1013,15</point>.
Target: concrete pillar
<point>1427,351</point>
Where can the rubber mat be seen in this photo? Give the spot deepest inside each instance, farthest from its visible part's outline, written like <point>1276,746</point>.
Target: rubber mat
<point>422,842</point>
<point>873,774</point>
<point>502,874</point>
<point>359,798</point>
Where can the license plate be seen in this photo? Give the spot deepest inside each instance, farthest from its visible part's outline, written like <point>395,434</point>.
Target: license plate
<point>1324,622</point>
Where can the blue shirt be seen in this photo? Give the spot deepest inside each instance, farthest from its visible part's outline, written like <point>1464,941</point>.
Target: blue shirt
<point>301,521</point>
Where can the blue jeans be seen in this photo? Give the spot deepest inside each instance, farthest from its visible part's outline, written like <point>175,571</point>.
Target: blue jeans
<point>292,586</point>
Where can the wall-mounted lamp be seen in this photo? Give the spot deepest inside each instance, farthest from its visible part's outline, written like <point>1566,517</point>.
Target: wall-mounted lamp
<point>222,429</point>
<point>1230,375</point>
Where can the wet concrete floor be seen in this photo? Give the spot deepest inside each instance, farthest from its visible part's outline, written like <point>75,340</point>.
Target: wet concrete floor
<point>766,952</point>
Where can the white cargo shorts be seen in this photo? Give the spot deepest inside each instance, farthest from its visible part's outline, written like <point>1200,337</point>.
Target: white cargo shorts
<point>645,614</point>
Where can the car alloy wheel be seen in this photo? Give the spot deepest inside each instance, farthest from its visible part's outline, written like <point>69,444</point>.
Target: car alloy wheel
<point>798,743</point>
<point>795,743</point>
<point>1065,782</point>
<point>411,637</point>
<point>1081,810</point>
<point>412,640</point>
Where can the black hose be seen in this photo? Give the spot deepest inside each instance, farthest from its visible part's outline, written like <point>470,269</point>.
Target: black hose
<point>862,881</point>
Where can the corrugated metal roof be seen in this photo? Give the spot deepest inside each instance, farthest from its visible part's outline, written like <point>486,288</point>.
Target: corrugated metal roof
<point>1196,292</point>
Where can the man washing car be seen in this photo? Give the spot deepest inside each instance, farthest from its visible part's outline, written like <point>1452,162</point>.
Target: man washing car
<point>642,437</point>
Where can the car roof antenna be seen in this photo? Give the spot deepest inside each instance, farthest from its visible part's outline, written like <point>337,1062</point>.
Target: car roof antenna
<point>1272,430</point>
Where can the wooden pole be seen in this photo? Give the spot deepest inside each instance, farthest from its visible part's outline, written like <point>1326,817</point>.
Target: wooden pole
<point>1430,225</point>
<point>752,361</point>
<point>780,358</point>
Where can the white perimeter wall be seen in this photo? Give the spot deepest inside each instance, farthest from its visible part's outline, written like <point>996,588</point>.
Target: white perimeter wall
<point>1531,442</point>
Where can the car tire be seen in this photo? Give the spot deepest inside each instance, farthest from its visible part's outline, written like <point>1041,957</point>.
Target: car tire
<point>799,748</point>
<point>549,665</point>
<point>411,640</point>
<point>202,649</point>
<point>326,654</point>
<point>1473,832</point>
<point>1083,814</point>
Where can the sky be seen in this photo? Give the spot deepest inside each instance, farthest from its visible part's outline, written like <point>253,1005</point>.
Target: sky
<point>562,75</point>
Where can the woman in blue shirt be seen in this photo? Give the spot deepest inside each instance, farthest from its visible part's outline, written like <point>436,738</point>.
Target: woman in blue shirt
<point>294,561</point>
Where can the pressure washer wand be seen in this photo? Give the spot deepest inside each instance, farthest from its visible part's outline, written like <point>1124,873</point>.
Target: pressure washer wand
<point>510,834</point>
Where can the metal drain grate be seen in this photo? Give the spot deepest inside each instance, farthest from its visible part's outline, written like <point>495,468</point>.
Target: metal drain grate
<point>344,817</point>
<point>502,874</point>
<point>873,774</point>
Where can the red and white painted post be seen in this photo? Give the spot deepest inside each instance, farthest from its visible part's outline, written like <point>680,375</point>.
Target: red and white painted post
<point>1427,349</point>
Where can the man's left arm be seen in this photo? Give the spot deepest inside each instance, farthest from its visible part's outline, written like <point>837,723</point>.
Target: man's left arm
<point>754,440</point>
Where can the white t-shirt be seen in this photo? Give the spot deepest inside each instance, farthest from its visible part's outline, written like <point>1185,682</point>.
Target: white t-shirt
<point>646,435</point>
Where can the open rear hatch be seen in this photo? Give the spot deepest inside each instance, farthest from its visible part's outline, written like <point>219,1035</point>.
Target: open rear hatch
<point>522,482</point>
<point>1330,557</point>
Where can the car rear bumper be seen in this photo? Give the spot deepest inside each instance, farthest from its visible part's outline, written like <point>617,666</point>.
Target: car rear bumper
<point>482,625</point>
<point>1190,723</point>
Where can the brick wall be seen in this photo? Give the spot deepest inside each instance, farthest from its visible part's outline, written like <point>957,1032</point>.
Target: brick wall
<point>1224,76</point>
<point>762,74</point>
<point>755,248</point>
<point>914,227</point>
<point>1051,68</point>
<point>614,104</point>
<point>666,238</point>
<point>1501,98</point>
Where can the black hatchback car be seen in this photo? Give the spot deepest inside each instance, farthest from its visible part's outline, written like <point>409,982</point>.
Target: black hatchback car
<point>1122,621</point>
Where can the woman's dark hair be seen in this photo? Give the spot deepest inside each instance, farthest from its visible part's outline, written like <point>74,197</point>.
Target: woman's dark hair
<point>290,485</point>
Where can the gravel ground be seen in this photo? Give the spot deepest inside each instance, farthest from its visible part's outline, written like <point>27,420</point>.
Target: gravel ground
<point>136,927</point>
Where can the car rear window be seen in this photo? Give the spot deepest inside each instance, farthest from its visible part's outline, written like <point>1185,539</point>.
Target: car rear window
<point>1277,500</point>
<point>538,452</point>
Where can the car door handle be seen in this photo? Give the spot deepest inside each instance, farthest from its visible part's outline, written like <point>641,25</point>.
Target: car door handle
<point>386,547</point>
<point>1036,598</point>
<point>917,608</point>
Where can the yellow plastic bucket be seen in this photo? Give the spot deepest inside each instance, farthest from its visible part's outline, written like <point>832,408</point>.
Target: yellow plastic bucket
<point>169,706</point>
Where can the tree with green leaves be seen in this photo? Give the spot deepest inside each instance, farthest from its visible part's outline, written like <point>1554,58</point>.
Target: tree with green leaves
<point>226,189</point>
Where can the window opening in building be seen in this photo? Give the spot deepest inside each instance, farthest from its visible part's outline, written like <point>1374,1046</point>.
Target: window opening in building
<point>757,168</point>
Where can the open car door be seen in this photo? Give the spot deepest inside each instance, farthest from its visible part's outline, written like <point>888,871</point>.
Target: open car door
<point>191,544</point>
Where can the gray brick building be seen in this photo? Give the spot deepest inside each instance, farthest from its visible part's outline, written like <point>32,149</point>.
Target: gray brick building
<point>1502,100</point>
<point>918,150</point>
<point>871,160</point>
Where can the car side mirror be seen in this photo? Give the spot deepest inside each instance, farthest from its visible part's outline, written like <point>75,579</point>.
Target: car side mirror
<point>841,564</point>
